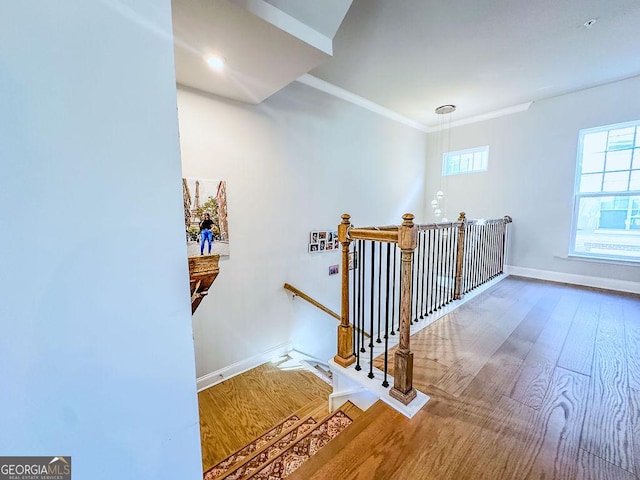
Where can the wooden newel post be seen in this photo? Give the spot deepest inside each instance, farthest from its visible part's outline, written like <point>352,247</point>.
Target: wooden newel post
<point>460,258</point>
<point>345,356</point>
<point>403,362</point>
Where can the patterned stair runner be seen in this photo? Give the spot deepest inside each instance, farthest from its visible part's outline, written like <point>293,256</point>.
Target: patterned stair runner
<point>238,456</point>
<point>260,450</point>
<point>278,452</point>
<point>290,459</point>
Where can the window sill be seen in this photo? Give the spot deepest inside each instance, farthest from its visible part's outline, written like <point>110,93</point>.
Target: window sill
<point>594,259</point>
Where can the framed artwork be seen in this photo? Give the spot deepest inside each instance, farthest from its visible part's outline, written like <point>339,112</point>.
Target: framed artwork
<point>205,216</point>
<point>323,241</point>
<point>334,269</point>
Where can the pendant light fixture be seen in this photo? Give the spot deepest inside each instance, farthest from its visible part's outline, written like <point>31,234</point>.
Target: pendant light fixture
<point>438,204</point>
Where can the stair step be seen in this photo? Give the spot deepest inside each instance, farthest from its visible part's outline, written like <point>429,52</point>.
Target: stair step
<point>295,455</point>
<point>229,463</point>
<point>266,450</point>
<point>325,373</point>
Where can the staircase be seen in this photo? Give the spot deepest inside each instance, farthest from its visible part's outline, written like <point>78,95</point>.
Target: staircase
<point>286,446</point>
<point>202,272</point>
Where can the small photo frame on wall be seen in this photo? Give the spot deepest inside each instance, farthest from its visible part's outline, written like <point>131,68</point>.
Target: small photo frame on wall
<point>323,241</point>
<point>334,270</point>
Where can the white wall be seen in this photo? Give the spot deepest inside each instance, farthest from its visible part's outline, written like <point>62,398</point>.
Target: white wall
<point>293,164</point>
<point>532,162</point>
<point>96,351</point>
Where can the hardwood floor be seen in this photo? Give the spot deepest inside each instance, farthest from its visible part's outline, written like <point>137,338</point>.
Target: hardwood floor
<point>238,410</point>
<point>530,380</point>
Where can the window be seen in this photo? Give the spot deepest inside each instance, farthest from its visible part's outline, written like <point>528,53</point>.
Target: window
<point>606,216</point>
<point>465,161</point>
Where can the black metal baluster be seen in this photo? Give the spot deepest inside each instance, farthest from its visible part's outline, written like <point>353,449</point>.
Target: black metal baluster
<point>465,255</point>
<point>363,266</point>
<point>491,249</point>
<point>432,290</point>
<point>485,248</point>
<point>503,248</point>
<point>423,274</point>
<point>479,255</point>
<point>413,288</point>
<point>472,259</point>
<point>499,248</point>
<point>494,250</point>
<point>454,259</point>
<point>393,303</point>
<point>353,298</point>
<point>378,340</point>
<point>470,254</point>
<point>472,283</point>
<point>422,234</point>
<point>399,290</point>
<point>371,313</point>
<point>443,262</point>
<point>360,304</point>
<point>439,271</point>
<point>416,273</point>
<point>450,272</point>
<point>385,383</point>
<point>445,265</point>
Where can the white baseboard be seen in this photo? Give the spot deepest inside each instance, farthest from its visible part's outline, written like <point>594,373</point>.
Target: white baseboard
<point>242,366</point>
<point>587,281</point>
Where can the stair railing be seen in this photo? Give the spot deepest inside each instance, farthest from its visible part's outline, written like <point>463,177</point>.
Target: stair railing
<point>386,288</point>
<point>299,293</point>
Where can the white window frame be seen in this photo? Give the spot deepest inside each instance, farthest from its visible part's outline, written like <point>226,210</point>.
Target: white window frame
<point>448,158</point>
<point>631,194</point>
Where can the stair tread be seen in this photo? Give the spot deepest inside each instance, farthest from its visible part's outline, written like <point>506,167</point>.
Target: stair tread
<point>271,450</point>
<point>375,412</point>
<point>270,446</point>
<point>303,448</point>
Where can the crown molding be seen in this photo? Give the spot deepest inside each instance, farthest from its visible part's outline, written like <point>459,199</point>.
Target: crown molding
<point>346,95</point>
<point>334,90</point>
<point>523,107</point>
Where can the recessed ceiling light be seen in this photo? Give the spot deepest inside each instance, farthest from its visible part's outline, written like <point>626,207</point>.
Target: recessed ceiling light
<point>216,62</point>
<point>590,23</point>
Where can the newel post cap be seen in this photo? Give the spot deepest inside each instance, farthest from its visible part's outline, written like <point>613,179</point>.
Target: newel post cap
<point>408,220</point>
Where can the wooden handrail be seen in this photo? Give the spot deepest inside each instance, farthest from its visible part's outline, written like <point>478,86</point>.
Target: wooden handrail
<point>386,235</point>
<point>389,233</point>
<point>435,226</point>
<point>313,302</point>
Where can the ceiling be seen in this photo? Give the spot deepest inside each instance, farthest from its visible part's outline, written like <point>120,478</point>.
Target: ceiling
<point>415,55</point>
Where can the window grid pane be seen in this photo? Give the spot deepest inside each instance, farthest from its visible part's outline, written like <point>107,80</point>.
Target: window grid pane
<point>591,183</point>
<point>608,162</point>
<point>618,160</point>
<point>465,161</point>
